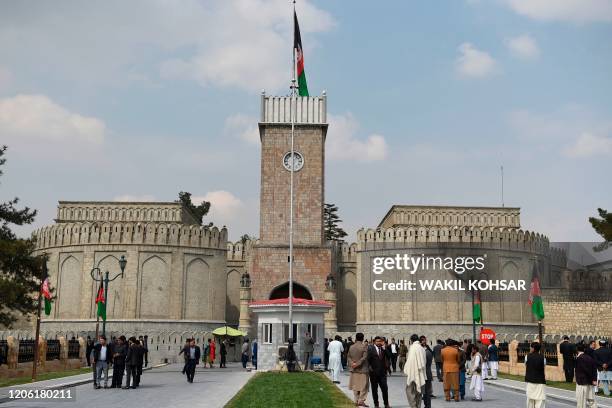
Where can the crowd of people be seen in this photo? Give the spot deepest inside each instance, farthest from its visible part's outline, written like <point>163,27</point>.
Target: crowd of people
<point>125,356</point>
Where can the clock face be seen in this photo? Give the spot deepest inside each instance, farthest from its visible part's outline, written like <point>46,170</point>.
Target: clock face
<point>297,161</point>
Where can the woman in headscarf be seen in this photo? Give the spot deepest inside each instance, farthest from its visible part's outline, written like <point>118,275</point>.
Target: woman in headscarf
<point>335,349</point>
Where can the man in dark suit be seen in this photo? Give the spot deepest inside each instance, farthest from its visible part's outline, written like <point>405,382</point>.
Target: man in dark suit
<point>568,351</point>
<point>119,353</point>
<point>131,361</point>
<point>140,352</point>
<point>192,353</point>
<point>603,358</point>
<point>586,378</point>
<point>378,363</point>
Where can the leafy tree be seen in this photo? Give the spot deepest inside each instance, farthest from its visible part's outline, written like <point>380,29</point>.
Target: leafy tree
<point>198,211</point>
<point>603,226</point>
<point>20,271</point>
<point>331,222</point>
<point>245,238</point>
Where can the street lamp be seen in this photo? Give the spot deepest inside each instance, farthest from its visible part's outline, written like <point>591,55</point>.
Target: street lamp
<point>95,271</point>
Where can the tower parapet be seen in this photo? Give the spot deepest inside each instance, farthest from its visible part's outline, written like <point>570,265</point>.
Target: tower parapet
<point>309,109</point>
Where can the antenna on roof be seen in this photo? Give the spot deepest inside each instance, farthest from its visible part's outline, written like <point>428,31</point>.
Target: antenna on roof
<point>502,186</point>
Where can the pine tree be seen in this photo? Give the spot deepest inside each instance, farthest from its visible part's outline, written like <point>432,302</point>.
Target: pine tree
<point>198,211</point>
<point>331,222</point>
<point>20,271</point>
<point>603,226</point>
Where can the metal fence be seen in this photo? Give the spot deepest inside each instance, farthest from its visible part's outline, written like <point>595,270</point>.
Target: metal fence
<point>522,350</point>
<point>503,352</point>
<point>3,352</point>
<point>53,350</point>
<point>73,348</point>
<point>26,351</point>
<point>550,353</point>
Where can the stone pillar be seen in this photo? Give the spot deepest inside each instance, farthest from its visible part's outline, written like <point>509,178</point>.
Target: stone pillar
<point>331,320</point>
<point>245,299</point>
<point>13,351</point>
<point>42,352</point>
<point>82,350</point>
<point>63,351</point>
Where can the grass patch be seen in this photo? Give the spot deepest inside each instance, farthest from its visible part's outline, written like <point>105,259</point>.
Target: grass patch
<point>290,390</point>
<point>554,384</point>
<point>7,382</point>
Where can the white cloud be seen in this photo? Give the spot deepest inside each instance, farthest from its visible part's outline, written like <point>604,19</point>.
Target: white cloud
<point>523,46</point>
<point>38,118</point>
<point>473,62</point>
<point>577,11</point>
<point>244,44</point>
<point>223,204</point>
<point>588,145</point>
<point>135,198</point>
<point>244,127</point>
<point>342,144</point>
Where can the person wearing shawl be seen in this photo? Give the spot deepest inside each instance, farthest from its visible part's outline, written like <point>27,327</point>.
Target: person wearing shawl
<point>415,372</point>
<point>335,358</point>
<point>357,357</point>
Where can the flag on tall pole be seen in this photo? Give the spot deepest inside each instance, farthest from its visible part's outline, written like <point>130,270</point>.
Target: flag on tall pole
<point>101,302</point>
<point>535,294</point>
<point>47,295</point>
<point>476,309</point>
<point>299,54</point>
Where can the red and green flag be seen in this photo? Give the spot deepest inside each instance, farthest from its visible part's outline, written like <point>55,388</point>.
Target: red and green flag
<point>299,58</point>
<point>101,302</point>
<point>535,296</point>
<point>476,309</point>
<point>46,293</point>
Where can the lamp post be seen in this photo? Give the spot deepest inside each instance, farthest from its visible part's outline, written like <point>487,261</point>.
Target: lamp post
<point>95,271</point>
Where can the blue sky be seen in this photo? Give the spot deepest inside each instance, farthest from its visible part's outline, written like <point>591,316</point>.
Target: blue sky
<point>139,101</point>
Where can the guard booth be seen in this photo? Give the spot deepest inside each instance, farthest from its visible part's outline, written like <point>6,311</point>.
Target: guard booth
<point>273,329</point>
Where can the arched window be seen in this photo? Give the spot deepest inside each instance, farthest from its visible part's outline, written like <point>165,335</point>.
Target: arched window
<point>282,292</point>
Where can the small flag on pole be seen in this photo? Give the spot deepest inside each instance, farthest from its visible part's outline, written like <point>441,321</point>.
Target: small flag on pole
<point>477,312</point>
<point>47,295</point>
<point>299,58</point>
<point>101,302</point>
<point>535,295</point>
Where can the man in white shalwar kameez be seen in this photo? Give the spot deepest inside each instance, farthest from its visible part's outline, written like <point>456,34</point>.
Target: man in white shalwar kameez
<point>535,377</point>
<point>415,372</point>
<point>477,383</point>
<point>335,349</point>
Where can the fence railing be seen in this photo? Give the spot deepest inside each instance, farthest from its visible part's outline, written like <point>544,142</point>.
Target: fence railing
<point>53,350</point>
<point>73,348</point>
<point>26,351</point>
<point>503,352</point>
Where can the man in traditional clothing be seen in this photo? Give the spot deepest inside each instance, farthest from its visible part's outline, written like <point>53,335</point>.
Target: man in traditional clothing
<point>358,366</point>
<point>477,383</point>
<point>493,359</point>
<point>450,370</point>
<point>415,372</point>
<point>335,358</point>
<point>586,378</point>
<point>535,368</point>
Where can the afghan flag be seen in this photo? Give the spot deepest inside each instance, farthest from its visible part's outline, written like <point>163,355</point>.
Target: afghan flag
<point>299,56</point>
<point>476,309</point>
<point>101,302</point>
<point>46,293</point>
<point>535,296</point>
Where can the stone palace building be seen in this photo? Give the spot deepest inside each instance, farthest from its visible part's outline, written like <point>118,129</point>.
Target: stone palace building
<point>183,279</point>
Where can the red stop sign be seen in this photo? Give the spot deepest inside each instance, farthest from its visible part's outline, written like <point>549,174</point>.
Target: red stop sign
<point>486,335</point>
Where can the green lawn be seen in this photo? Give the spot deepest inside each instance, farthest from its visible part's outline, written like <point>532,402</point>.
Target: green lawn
<point>6,382</point>
<point>555,384</point>
<point>290,390</point>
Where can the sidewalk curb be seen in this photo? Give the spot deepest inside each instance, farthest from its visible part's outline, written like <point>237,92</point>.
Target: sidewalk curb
<point>558,398</point>
<point>70,383</point>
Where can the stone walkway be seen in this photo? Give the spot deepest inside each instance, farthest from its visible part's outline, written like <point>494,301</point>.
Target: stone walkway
<point>159,387</point>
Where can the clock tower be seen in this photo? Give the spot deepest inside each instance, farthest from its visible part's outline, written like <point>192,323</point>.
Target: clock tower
<point>269,262</point>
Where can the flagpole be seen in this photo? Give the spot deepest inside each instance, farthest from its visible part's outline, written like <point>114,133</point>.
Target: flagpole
<point>293,108</point>
<point>473,321</point>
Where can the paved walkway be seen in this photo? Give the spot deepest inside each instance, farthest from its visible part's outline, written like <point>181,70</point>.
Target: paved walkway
<point>159,387</point>
<point>498,394</point>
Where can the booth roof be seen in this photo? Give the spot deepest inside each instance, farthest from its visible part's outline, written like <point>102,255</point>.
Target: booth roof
<point>285,301</point>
